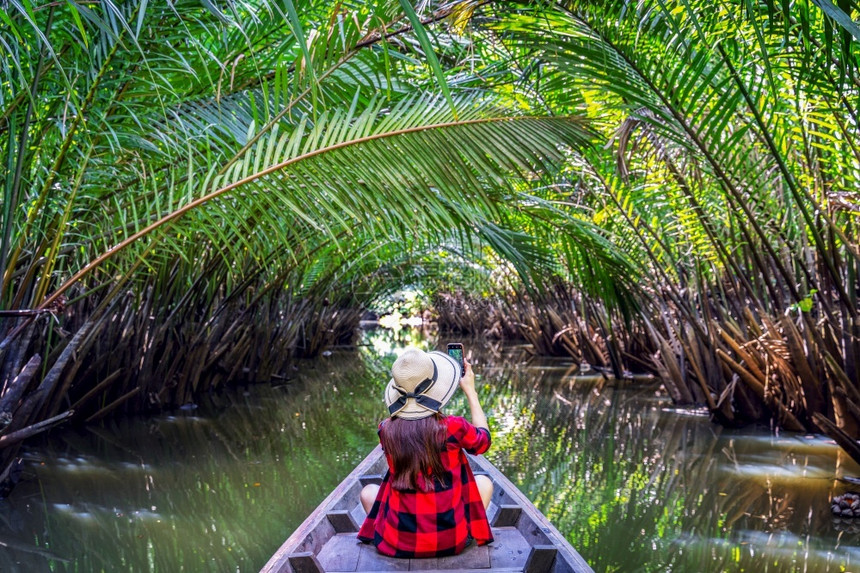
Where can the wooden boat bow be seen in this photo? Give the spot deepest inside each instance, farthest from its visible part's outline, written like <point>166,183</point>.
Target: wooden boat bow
<point>525,540</point>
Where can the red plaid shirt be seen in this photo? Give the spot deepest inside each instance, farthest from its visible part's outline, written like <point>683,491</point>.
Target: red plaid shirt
<point>410,523</point>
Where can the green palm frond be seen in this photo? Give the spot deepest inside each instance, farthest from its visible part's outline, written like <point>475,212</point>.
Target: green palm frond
<point>700,83</point>
<point>366,170</point>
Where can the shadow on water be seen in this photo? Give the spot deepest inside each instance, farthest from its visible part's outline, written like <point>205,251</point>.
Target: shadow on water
<point>635,484</point>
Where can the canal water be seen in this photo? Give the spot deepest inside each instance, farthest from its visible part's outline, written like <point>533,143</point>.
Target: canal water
<point>635,484</point>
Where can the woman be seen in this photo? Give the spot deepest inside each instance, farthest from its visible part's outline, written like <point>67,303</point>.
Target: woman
<point>429,504</point>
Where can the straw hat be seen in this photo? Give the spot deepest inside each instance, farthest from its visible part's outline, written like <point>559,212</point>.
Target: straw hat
<point>422,384</point>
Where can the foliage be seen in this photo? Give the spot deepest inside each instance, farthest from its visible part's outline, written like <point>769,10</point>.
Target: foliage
<point>211,189</point>
<point>240,182</point>
<point>732,186</point>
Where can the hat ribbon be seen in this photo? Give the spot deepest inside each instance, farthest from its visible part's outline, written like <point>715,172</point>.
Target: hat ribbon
<point>417,395</point>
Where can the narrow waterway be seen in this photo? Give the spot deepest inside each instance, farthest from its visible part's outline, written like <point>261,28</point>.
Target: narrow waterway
<point>635,484</point>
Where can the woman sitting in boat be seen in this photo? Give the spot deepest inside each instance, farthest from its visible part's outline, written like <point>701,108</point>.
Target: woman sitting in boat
<point>429,504</point>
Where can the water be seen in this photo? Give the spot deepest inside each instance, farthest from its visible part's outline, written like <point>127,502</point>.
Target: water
<point>635,484</point>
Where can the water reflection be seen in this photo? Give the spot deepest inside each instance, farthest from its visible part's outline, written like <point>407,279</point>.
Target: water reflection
<point>216,489</point>
<point>639,486</point>
<point>635,484</point>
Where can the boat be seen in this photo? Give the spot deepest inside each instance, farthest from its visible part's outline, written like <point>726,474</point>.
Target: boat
<point>525,540</point>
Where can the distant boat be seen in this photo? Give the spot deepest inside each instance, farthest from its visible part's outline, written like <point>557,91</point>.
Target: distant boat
<point>525,541</point>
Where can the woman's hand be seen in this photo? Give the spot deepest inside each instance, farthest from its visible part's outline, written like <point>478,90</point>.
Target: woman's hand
<point>467,381</point>
<point>467,384</point>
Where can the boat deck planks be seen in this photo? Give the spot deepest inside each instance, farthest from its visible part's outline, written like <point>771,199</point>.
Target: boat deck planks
<point>525,541</point>
<point>509,551</point>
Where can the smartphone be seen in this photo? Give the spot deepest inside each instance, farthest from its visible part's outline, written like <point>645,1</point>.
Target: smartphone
<point>455,351</point>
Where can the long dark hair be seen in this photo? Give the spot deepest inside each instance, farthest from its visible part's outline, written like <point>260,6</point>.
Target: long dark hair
<point>414,447</point>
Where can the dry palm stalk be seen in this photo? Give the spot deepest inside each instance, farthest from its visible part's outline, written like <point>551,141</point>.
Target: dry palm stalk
<point>241,347</point>
<point>595,352</point>
<point>747,358</point>
<point>723,407</point>
<point>752,323</point>
<point>12,357</point>
<point>33,429</point>
<point>694,358</point>
<point>80,351</point>
<point>114,405</point>
<point>16,389</point>
<point>845,440</point>
<point>841,410</point>
<point>569,343</point>
<point>37,399</point>
<point>785,417</point>
<point>101,386</point>
<point>852,407</point>
<point>670,372</point>
<point>842,378</point>
<point>732,327</point>
<point>810,382</point>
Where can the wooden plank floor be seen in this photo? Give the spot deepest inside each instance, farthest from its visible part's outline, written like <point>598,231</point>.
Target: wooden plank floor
<point>507,553</point>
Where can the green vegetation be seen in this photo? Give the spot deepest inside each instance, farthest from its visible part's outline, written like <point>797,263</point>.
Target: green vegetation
<point>195,193</point>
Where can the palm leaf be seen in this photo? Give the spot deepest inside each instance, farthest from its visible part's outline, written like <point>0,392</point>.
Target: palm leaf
<point>380,158</point>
